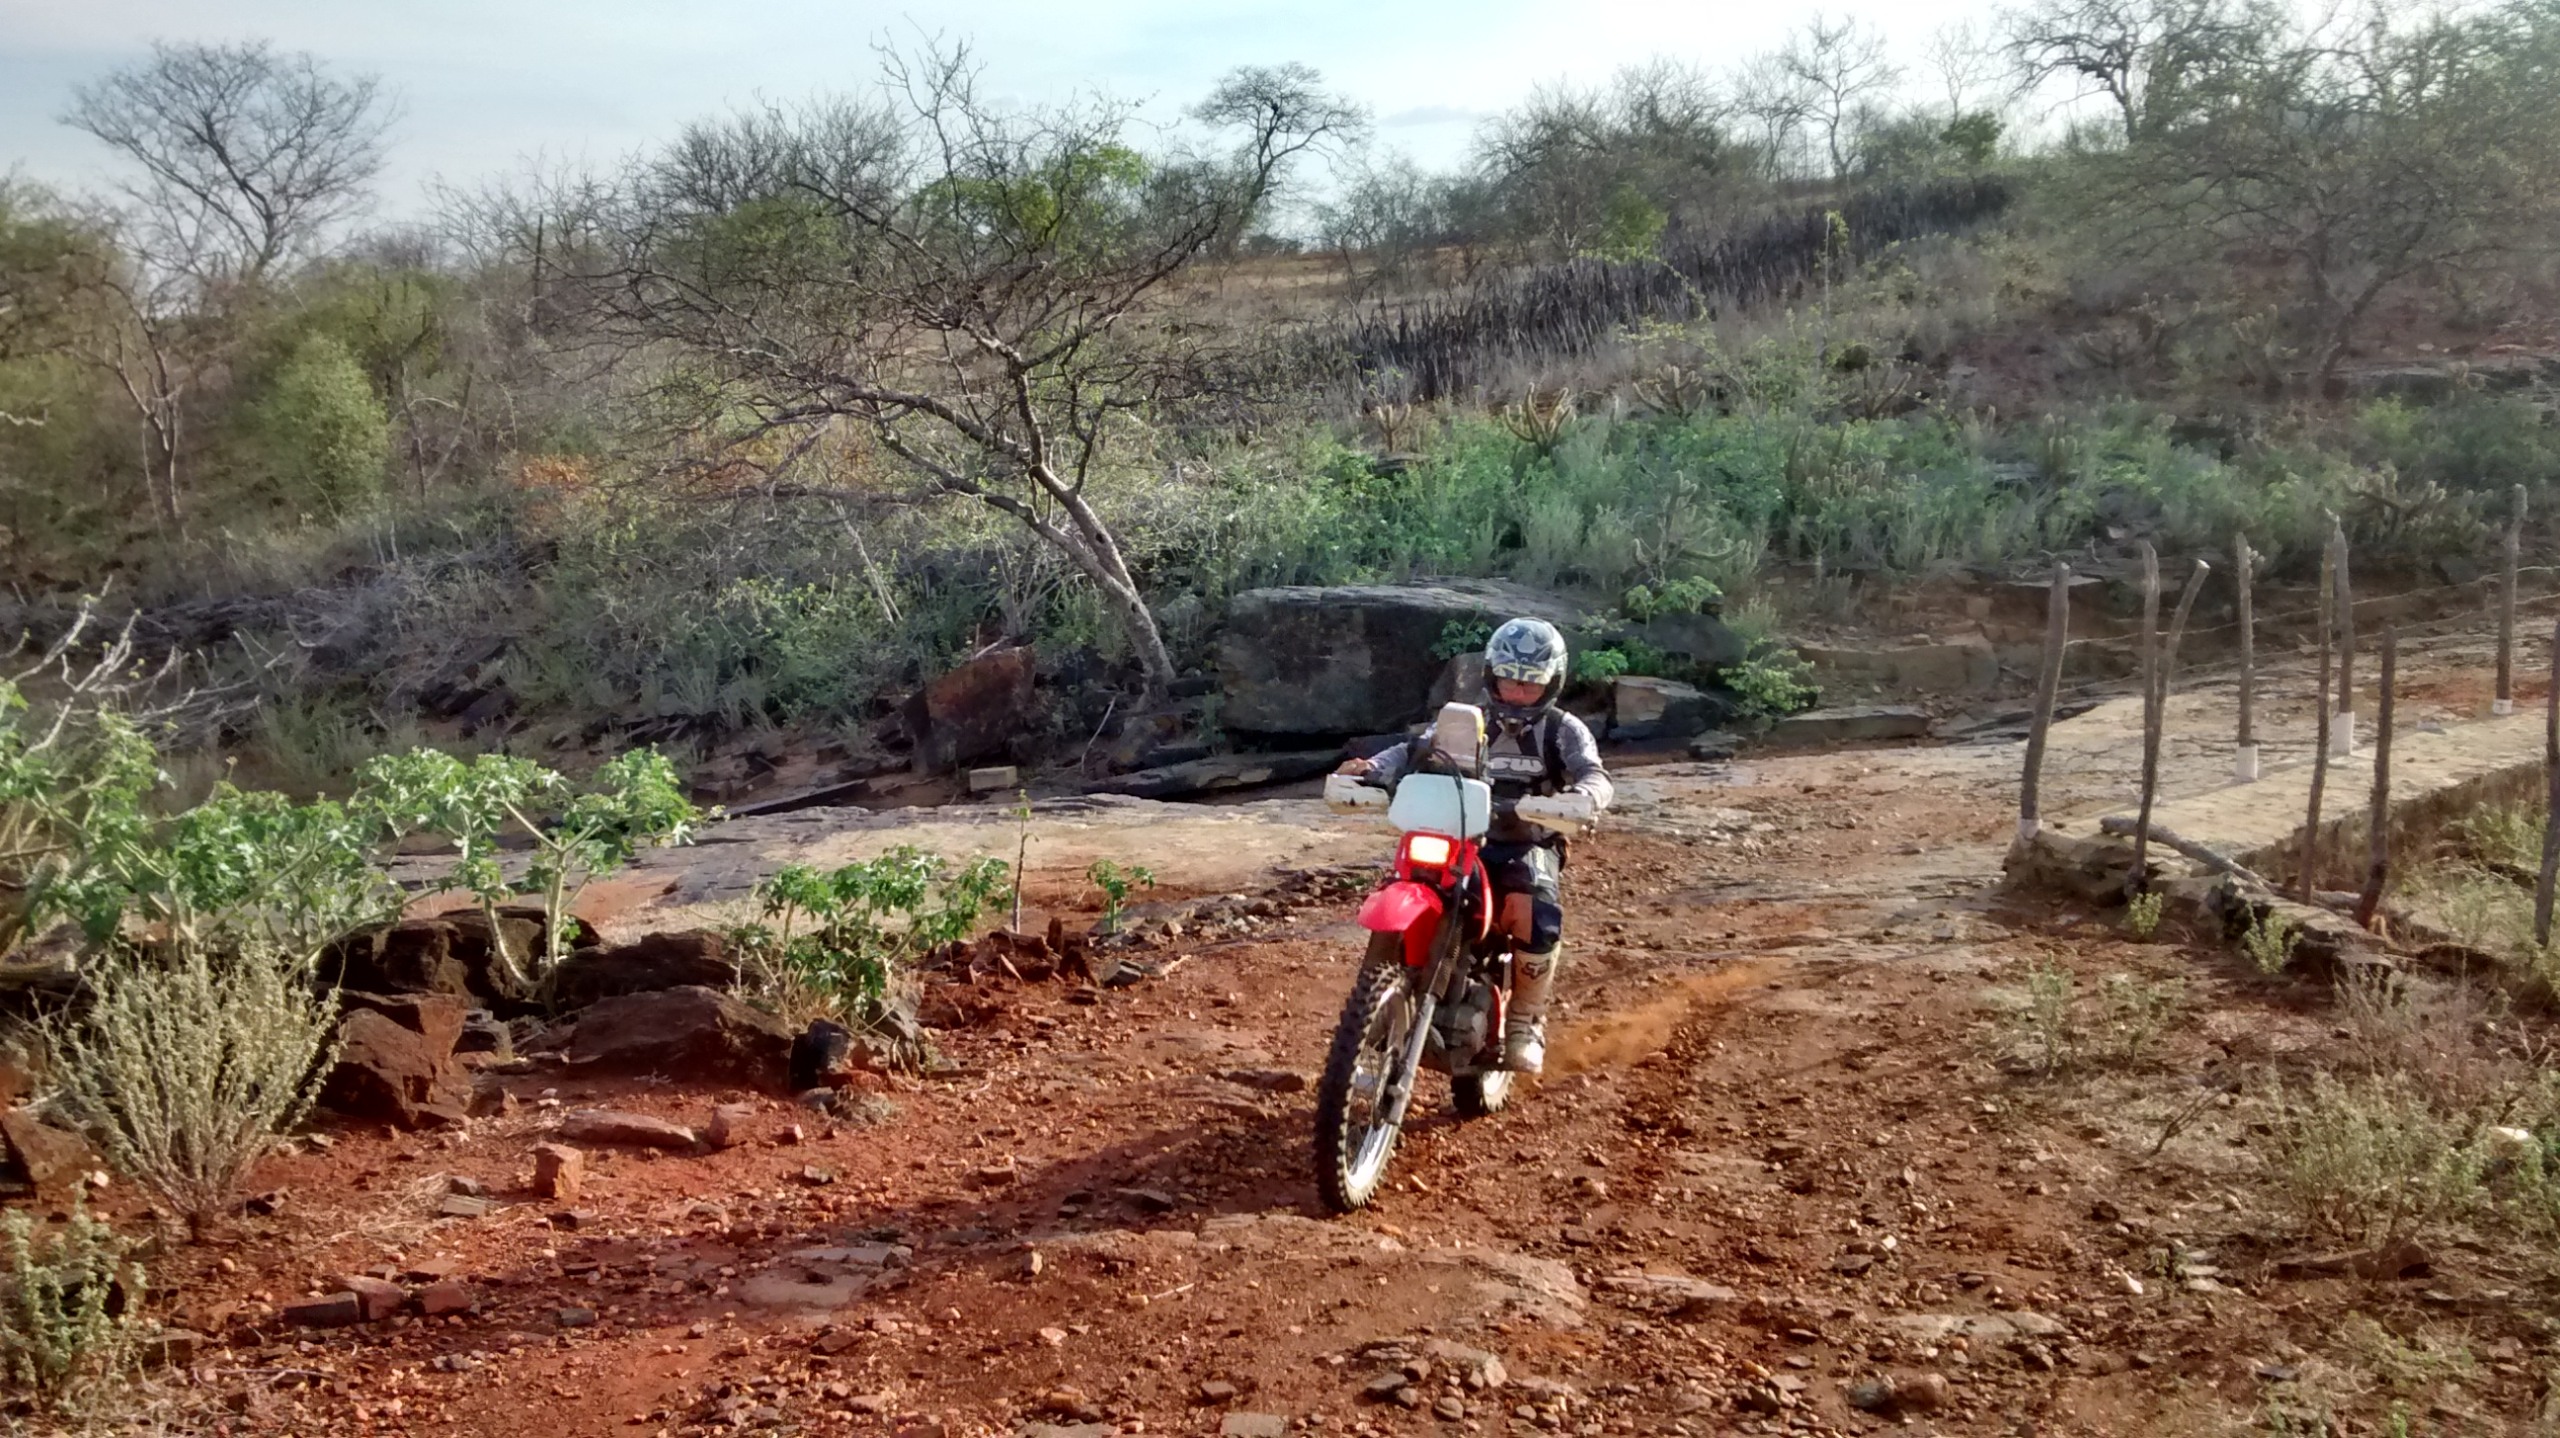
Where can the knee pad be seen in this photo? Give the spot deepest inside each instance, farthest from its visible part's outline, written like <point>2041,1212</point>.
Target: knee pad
<point>1546,925</point>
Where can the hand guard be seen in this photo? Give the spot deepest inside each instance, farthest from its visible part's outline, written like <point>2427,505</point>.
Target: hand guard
<point>1567,814</point>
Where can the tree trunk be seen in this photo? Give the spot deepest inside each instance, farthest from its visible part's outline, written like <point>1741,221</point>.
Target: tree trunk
<point>2378,821</point>
<point>2245,758</point>
<point>1103,564</point>
<point>2320,740</point>
<point>2504,702</point>
<point>2139,881</point>
<point>2057,630</point>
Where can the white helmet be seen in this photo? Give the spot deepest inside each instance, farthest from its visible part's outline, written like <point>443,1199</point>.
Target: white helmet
<point>1531,651</point>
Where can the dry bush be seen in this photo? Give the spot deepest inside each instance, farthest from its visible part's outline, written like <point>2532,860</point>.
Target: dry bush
<point>70,1312</point>
<point>188,1066</point>
<point>2369,1158</point>
<point>2438,1034</point>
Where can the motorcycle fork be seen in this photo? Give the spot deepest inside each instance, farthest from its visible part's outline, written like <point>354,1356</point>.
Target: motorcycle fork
<point>1448,951</point>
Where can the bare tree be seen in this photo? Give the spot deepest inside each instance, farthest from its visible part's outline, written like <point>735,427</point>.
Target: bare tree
<point>1779,103</point>
<point>2361,157</point>
<point>1568,162</point>
<point>2138,54</point>
<point>1839,70</point>
<point>247,156</point>
<point>69,288</point>
<point>1282,112</point>
<point>1966,64</point>
<point>959,284</point>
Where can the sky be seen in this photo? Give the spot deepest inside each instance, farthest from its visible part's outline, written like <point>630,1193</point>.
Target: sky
<point>485,86</point>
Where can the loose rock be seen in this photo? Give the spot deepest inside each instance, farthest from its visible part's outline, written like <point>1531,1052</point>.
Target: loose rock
<point>690,1033</point>
<point>388,1071</point>
<point>598,1125</point>
<point>558,1171</point>
<point>338,1310</point>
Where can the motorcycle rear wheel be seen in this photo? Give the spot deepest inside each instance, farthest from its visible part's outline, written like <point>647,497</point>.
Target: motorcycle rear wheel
<point>1354,1142</point>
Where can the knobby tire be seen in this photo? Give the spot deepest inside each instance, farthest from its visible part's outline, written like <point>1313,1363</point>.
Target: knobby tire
<point>1337,1147</point>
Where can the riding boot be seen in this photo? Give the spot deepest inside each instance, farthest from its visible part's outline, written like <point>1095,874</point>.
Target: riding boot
<point>1524,1030</point>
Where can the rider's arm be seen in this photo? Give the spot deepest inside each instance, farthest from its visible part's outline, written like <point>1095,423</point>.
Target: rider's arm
<point>1580,755</point>
<point>1387,764</point>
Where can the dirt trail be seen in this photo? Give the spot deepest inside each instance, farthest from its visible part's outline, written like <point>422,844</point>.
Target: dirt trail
<point>1778,1159</point>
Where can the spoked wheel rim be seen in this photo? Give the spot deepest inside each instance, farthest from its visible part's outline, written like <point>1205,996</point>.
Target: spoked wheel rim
<point>1365,1116</point>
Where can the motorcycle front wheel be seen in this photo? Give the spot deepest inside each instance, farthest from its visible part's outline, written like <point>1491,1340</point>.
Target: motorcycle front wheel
<point>1355,1138</point>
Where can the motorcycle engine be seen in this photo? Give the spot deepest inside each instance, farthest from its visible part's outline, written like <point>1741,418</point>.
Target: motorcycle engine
<point>1460,1029</point>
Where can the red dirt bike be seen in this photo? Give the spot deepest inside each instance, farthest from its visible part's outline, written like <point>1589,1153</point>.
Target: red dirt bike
<point>1432,991</point>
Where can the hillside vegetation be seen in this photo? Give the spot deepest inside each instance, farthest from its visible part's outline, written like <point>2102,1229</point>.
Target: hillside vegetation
<point>765,427</point>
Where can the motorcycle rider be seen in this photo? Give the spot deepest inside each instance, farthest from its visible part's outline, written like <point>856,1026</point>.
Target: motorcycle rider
<point>1532,747</point>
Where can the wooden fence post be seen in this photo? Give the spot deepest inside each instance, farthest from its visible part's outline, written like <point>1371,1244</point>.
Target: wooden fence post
<point>2155,726</point>
<point>2244,757</point>
<point>2057,628</point>
<point>2505,702</point>
<point>2320,741</point>
<point>2378,822</point>
<point>2342,735</point>
<point>2136,882</point>
<point>2542,890</point>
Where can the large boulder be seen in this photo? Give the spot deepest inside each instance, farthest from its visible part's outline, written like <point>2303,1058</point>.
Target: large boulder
<point>684,1033</point>
<point>1219,772</point>
<point>1355,659</point>
<point>974,712</point>
<point>1642,707</point>
<point>414,956</point>
<point>391,1071</point>
<point>646,965</point>
<point>446,953</point>
<point>1704,640</point>
<point>51,1161</point>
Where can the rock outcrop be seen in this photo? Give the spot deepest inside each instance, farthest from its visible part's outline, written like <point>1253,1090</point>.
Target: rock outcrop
<point>1356,659</point>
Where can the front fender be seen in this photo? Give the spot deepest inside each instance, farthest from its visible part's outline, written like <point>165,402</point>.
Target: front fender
<point>1406,908</point>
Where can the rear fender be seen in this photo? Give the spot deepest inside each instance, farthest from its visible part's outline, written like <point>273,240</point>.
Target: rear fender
<point>1406,908</point>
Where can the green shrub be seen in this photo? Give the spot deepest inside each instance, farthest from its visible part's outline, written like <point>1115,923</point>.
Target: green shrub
<point>2137,1010</point>
<point>1677,596</point>
<point>2142,914</point>
<point>2268,942</point>
<point>1772,680</point>
<point>1116,882</point>
<point>70,1311</point>
<point>320,433</point>
<point>2044,1027</point>
<point>73,788</point>
<point>838,942</point>
<point>1600,666</point>
<point>579,833</point>
<point>1462,636</point>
